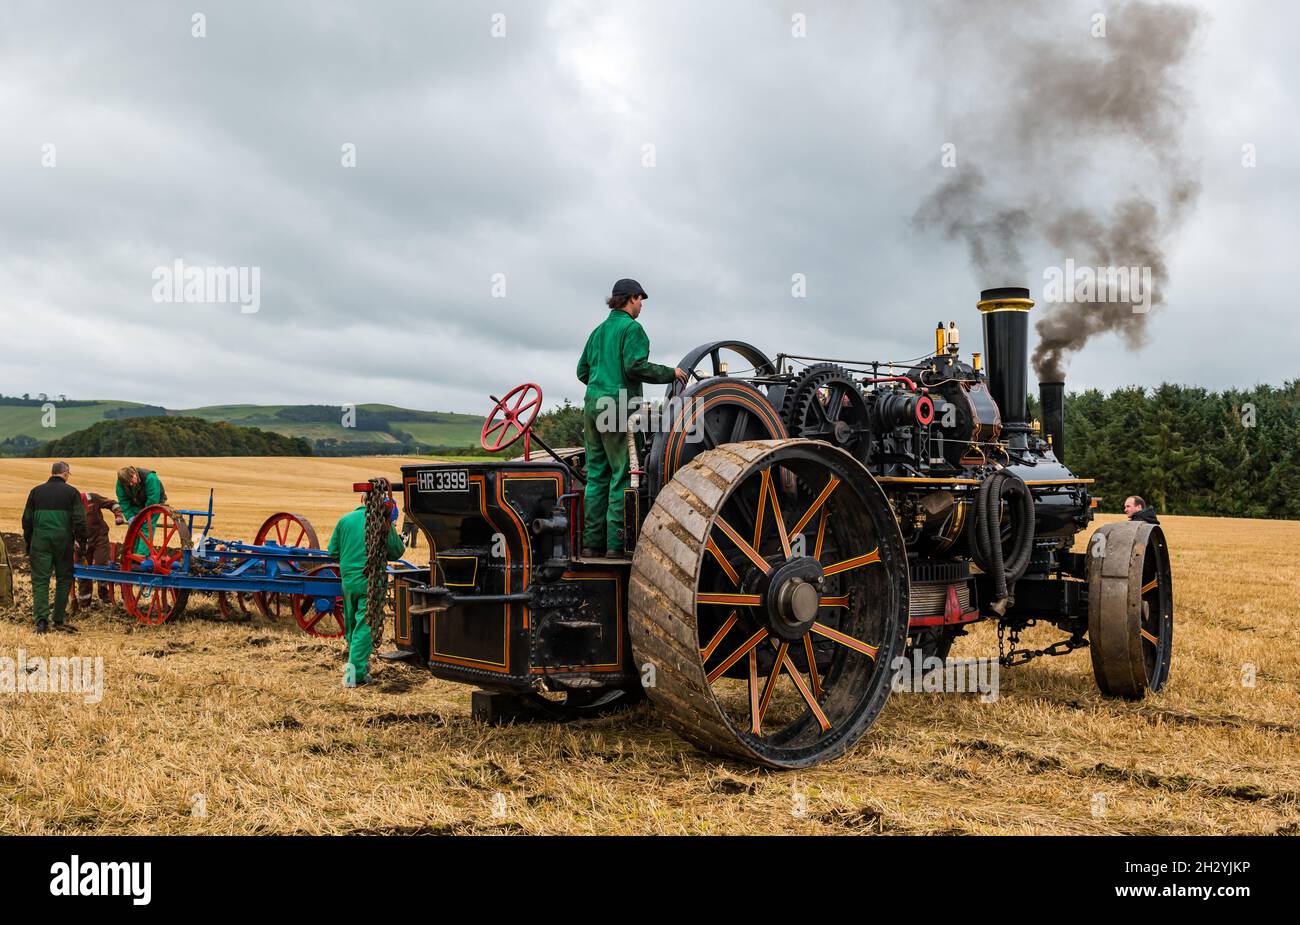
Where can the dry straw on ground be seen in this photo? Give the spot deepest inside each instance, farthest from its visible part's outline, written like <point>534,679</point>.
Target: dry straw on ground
<point>208,726</point>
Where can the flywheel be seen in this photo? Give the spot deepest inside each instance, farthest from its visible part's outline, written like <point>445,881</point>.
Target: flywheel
<point>754,554</point>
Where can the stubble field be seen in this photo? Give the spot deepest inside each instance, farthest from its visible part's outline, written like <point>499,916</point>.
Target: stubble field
<point>209,726</point>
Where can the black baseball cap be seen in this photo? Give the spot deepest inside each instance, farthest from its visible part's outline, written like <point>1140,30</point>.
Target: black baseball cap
<point>629,287</point>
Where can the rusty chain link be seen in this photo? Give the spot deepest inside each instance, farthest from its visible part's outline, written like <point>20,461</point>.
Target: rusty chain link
<point>376,571</point>
<point>1009,659</point>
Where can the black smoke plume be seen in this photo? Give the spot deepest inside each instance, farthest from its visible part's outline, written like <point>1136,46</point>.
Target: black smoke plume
<point>1072,119</point>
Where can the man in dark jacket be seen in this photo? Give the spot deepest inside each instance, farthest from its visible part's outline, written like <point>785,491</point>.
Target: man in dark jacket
<point>1137,509</point>
<point>53,520</point>
<point>96,548</point>
<point>614,363</point>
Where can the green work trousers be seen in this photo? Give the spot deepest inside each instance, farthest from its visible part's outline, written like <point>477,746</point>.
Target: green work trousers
<point>356,630</point>
<point>50,555</point>
<point>609,474</point>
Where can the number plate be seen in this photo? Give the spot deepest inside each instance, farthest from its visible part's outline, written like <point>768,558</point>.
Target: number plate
<point>443,480</point>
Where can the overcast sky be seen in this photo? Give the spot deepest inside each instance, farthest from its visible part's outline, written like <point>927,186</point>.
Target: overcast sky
<point>525,155</point>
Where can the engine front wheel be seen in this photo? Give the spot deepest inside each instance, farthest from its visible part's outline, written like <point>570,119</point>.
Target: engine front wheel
<point>1130,609</point>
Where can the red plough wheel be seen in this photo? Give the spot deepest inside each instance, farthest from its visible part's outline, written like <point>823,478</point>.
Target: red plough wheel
<point>320,616</point>
<point>155,542</point>
<point>284,529</point>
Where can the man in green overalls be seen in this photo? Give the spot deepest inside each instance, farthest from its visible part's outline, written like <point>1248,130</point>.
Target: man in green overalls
<point>137,489</point>
<point>348,548</point>
<point>614,363</point>
<point>52,520</point>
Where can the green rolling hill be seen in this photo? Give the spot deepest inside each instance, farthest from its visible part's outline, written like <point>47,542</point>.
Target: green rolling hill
<point>378,428</point>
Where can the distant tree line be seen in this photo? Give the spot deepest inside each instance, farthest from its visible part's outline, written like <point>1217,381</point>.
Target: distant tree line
<point>26,401</point>
<point>1188,450</point>
<point>172,436</point>
<point>135,411</point>
<point>333,414</point>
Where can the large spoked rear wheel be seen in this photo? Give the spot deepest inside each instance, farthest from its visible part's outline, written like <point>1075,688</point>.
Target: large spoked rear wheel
<point>1130,609</point>
<point>769,592</point>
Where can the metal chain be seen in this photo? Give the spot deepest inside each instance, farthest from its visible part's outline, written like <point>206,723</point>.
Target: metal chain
<point>376,571</point>
<point>1014,657</point>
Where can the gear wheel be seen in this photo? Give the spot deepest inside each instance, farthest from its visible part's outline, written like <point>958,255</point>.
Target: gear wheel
<point>826,403</point>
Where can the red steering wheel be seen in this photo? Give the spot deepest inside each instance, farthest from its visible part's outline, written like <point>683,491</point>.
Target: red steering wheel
<point>517,411</point>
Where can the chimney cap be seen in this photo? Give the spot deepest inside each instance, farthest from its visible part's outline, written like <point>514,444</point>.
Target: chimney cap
<point>1005,299</point>
<point>1004,292</point>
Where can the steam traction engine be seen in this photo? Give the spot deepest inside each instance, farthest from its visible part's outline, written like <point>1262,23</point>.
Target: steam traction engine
<point>795,525</point>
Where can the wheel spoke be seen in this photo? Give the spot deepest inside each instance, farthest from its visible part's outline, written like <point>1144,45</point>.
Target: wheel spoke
<point>732,600</point>
<point>770,687</point>
<point>745,649</point>
<point>821,536</point>
<point>1150,586</point>
<point>744,547</point>
<point>819,409</point>
<point>813,508</point>
<point>839,600</point>
<point>720,635</point>
<point>1149,638</point>
<point>754,725</point>
<point>812,665</point>
<point>858,561</point>
<point>807,695</point>
<point>776,513</point>
<point>727,567</point>
<point>845,640</point>
<point>764,482</point>
<point>739,426</point>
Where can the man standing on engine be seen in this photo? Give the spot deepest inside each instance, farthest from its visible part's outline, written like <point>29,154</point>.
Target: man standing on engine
<point>53,520</point>
<point>348,548</point>
<point>614,364</point>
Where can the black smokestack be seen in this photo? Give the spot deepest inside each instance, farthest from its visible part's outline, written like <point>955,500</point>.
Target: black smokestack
<point>1006,349</point>
<point>1051,395</point>
<point>1077,153</point>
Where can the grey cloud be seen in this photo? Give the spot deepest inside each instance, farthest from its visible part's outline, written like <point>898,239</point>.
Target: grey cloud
<point>522,156</point>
